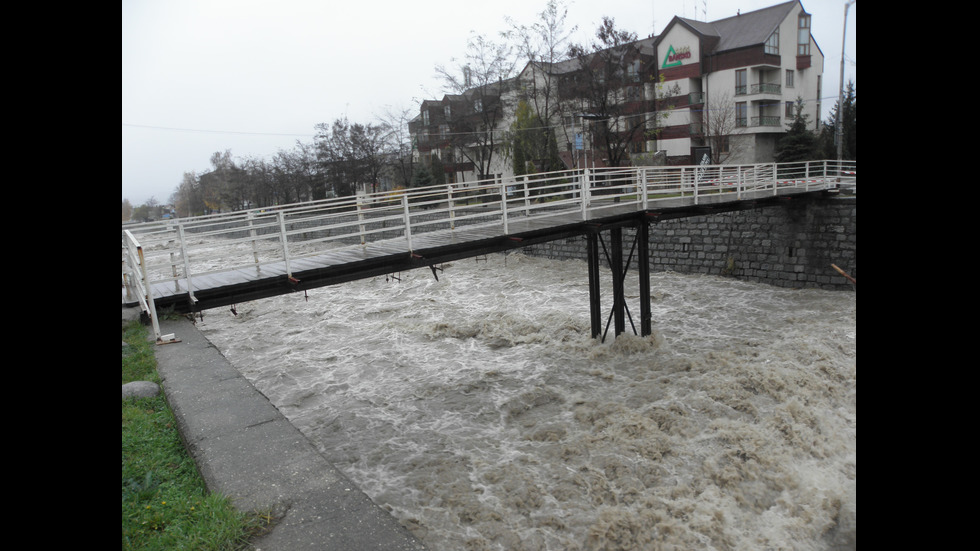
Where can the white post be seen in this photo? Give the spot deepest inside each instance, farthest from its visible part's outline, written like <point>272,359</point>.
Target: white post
<point>527,200</point>
<point>452,209</point>
<point>251,232</point>
<point>775,183</point>
<point>187,268</point>
<point>408,221</point>
<point>503,205</point>
<point>738,183</point>
<point>643,187</point>
<point>360,215</point>
<point>285,244</point>
<point>586,193</point>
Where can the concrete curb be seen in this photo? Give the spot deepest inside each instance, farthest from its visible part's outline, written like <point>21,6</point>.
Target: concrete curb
<point>247,450</point>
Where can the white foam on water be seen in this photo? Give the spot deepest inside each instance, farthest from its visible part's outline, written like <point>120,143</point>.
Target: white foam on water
<point>479,412</point>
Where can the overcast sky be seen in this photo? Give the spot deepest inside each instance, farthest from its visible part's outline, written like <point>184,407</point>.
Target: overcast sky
<point>255,76</point>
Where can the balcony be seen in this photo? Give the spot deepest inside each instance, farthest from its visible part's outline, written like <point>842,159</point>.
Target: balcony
<point>766,88</point>
<point>763,88</point>
<point>767,121</point>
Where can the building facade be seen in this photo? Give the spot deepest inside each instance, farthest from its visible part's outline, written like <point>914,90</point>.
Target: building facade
<point>741,79</point>
<point>726,88</point>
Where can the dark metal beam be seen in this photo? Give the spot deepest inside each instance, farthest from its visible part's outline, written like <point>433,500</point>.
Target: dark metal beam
<point>595,312</point>
<point>643,238</point>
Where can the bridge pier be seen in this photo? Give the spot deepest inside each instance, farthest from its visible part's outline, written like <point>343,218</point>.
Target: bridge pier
<point>619,269</point>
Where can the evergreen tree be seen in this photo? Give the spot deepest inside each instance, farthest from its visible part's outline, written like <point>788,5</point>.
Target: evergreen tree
<point>437,171</point>
<point>848,119</point>
<point>799,143</point>
<point>422,176</point>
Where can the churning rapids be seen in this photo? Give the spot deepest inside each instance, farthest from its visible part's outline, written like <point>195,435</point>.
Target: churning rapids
<point>478,410</point>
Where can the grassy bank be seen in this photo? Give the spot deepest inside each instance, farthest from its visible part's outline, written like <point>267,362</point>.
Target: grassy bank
<point>165,503</point>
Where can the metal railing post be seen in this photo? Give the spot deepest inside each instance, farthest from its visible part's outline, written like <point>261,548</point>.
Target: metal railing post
<point>452,208</point>
<point>251,233</point>
<point>187,266</point>
<point>527,198</point>
<point>694,184</point>
<point>643,187</point>
<point>503,205</point>
<point>739,183</point>
<point>285,243</point>
<point>408,221</point>
<point>585,193</point>
<point>360,215</point>
<point>146,298</point>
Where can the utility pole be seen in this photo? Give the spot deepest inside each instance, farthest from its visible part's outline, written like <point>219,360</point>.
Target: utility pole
<point>840,96</point>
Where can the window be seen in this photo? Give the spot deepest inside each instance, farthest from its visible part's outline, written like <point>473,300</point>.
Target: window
<point>478,105</point>
<point>741,82</point>
<point>803,35</point>
<point>772,43</point>
<point>789,78</point>
<point>634,93</point>
<point>789,110</point>
<point>425,117</point>
<point>445,111</point>
<point>741,114</point>
<point>633,71</point>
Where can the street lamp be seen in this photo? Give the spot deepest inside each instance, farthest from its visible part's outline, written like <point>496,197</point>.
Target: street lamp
<point>840,95</point>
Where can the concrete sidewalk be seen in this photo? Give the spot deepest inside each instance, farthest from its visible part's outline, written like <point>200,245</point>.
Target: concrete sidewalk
<point>245,449</point>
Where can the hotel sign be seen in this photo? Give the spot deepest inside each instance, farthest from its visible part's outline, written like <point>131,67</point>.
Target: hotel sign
<point>676,57</point>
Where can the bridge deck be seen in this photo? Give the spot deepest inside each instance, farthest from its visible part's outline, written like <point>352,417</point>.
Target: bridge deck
<point>350,263</point>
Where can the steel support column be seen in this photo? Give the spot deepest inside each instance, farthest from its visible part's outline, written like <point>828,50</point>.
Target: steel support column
<point>619,295</point>
<point>643,238</point>
<point>594,306</point>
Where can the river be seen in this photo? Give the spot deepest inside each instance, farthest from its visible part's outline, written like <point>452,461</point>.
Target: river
<point>479,412</point>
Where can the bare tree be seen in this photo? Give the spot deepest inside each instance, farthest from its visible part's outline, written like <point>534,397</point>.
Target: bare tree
<point>398,144</point>
<point>189,197</point>
<point>542,45</point>
<point>607,85</point>
<point>479,81</point>
<point>720,128</point>
<point>350,155</point>
<point>222,186</point>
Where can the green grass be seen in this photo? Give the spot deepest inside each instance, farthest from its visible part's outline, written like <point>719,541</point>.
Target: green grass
<point>165,503</point>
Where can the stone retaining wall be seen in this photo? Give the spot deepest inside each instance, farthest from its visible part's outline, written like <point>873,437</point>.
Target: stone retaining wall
<point>791,245</point>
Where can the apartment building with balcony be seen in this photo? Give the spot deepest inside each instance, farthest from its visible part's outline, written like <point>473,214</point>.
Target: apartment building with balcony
<point>739,80</point>
<point>730,85</point>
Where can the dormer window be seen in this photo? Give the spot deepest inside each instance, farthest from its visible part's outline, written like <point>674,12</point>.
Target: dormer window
<point>803,35</point>
<point>772,43</point>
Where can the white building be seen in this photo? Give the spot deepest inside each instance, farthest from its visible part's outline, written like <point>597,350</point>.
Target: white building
<point>740,79</point>
<point>731,85</point>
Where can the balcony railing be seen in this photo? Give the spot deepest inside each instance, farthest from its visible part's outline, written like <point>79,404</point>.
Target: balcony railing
<point>766,120</point>
<point>761,88</point>
<point>766,88</point>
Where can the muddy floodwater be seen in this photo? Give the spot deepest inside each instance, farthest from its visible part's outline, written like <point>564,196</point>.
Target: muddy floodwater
<point>477,409</point>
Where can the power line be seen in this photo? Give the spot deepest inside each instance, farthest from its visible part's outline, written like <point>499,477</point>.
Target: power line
<point>203,131</point>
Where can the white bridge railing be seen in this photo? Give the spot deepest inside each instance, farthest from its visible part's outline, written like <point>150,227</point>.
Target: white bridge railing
<point>158,255</point>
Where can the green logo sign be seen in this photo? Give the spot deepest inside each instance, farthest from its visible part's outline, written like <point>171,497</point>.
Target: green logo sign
<point>676,57</point>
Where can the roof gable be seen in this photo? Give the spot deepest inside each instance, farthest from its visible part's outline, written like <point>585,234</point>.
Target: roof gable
<point>738,31</point>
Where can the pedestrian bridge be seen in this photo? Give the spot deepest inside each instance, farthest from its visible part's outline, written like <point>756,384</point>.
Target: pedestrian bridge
<point>193,264</point>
